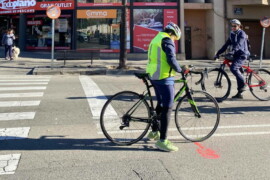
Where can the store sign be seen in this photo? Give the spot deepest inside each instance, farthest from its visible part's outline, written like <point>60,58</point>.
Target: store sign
<point>62,4</point>
<point>17,6</point>
<point>84,4</point>
<point>238,11</point>
<point>30,6</point>
<point>155,4</point>
<point>97,14</point>
<point>34,23</point>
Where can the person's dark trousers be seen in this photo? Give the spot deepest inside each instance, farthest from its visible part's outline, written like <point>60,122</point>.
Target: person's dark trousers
<point>165,97</point>
<point>236,70</point>
<point>8,51</point>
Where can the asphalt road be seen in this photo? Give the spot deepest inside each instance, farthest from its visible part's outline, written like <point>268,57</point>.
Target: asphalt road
<point>58,135</point>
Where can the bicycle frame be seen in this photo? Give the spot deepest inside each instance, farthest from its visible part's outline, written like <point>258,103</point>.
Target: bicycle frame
<point>148,96</point>
<point>248,71</point>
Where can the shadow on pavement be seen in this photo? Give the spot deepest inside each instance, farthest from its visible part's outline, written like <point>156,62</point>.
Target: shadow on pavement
<point>61,143</point>
<point>244,109</point>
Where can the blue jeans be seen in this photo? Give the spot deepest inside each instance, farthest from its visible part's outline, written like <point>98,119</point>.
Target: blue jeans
<point>235,69</point>
<point>8,51</point>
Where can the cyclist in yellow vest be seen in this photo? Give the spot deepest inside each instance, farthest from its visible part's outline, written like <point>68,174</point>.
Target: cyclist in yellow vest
<point>162,66</point>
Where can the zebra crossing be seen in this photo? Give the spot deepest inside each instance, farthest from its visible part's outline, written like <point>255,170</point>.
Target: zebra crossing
<point>253,128</point>
<point>17,92</point>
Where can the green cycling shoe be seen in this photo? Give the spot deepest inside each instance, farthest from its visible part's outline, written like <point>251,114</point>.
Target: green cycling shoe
<point>154,135</point>
<point>166,145</point>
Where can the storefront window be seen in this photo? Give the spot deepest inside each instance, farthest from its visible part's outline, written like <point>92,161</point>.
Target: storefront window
<point>39,32</point>
<point>98,29</point>
<point>155,0</point>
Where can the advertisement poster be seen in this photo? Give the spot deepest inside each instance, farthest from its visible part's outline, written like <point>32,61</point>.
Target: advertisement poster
<point>147,24</point>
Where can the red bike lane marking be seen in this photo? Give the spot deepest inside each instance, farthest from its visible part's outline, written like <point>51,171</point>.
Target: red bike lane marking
<point>206,152</point>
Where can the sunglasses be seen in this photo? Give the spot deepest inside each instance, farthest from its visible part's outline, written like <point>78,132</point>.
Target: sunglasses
<point>233,26</point>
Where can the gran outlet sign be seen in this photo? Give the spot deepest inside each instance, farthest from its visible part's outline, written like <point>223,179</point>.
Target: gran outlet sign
<point>30,6</point>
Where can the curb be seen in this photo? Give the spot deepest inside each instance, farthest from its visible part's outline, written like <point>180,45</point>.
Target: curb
<point>72,71</point>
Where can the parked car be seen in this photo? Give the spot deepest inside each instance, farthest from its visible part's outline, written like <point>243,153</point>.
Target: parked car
<point>81,36</point>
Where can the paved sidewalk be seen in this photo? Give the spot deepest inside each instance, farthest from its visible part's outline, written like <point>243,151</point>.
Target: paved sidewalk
<point>39,63</point>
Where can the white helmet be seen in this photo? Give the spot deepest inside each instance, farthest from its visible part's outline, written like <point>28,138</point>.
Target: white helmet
<point>175,29</point>
<point>235,21</point>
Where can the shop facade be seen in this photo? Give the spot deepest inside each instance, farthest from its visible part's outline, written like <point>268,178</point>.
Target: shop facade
<point>88,24</point>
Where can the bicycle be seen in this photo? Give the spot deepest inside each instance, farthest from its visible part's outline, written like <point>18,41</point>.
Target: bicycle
<point>220,84</point>
<point>126,116</point>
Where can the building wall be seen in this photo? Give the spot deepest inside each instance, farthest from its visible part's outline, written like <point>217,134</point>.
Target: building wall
<point>250,17</point>
<point>196,19</point>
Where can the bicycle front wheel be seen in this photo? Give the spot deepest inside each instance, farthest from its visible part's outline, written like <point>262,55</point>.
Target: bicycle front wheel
<point>218,84</point>
<point>259,84</point>
<point>197,119</point>
<point>123,118</point>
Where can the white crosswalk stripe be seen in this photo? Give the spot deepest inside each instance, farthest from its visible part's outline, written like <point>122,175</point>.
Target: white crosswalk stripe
<point>25,83</point>
<point>14,133</point>
<point>21,88</point>
<point>9,163</point>
<point>19,95</point>
<point>35,85</point>
<point>17,116</point>
<point>18,103</point>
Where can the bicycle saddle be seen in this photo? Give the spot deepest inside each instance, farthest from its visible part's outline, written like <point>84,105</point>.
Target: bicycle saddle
<point>142,75</point>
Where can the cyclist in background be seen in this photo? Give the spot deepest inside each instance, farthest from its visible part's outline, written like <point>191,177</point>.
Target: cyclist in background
<point>162,67</point>
<point>240,51</point>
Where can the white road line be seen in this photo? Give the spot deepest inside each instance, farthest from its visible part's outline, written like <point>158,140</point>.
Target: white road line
<point>18,103</point>
<point>228,134</point>
<point>21,88</point>
<point>197,128</point>
<point>14,133</point>
<point>15,95</point>
<point>29,83</point>
<point>95,97</point>
<point>24,77</point>
<point>9,163</point>
<point>16,116</point>
<point>25,80</point>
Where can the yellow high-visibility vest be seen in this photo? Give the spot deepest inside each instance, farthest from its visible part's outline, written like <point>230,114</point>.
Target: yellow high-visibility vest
<point>157,66</point>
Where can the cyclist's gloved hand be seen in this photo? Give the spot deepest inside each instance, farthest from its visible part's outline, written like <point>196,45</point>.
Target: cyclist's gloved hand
<point>216,57</point>
<point>185,69</point>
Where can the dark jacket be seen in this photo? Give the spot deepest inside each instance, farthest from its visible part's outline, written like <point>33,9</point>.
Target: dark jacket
<point>238,43</point>
<point>8,39</point>
<point>168,47</point>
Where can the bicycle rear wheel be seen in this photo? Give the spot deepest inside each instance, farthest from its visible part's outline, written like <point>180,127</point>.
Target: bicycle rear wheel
<point>120,118</point>
<point>259,84</point>
<point>194,127</point>
<point>218,84</point>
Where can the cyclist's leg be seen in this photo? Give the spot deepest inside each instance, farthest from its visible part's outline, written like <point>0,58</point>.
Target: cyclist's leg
<point>235,69</point>
<point>158,109</point>
<point>167,97</point>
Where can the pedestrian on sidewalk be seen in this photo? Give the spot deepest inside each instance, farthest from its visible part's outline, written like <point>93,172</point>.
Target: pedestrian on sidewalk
<point>238,41</point>
<point>162,67</point>
<point>8,42</point>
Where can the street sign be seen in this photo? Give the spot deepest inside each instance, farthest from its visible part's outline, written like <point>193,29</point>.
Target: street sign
<point>53,12</point>
<point>265,22</point>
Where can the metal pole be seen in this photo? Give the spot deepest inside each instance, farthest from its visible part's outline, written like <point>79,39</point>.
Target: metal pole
<point>262,47</point>
<point>52,44</point>
<point>123,52</point>
<point>182,27</point>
